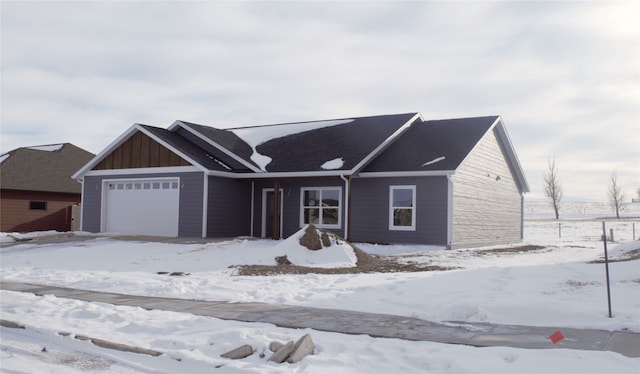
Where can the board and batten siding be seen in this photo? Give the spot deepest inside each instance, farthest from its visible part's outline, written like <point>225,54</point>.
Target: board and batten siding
<point>228,208</point>
<point>190,204</point>
<point>486,200</point>
<point>370,210</point>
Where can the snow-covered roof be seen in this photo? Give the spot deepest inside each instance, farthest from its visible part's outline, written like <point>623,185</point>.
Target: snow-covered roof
<point>347,146</point>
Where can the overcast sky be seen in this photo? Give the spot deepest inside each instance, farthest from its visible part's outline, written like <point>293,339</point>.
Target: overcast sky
<point>564,76</point>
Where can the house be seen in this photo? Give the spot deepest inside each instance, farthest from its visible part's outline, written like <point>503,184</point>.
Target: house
<point>36,189</point>
<point>383,179</point>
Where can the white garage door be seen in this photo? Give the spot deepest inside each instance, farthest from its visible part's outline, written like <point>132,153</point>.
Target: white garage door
<point>143,206</point>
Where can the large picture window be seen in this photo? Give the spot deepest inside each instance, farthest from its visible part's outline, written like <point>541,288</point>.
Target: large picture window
<point>402,208</point>
<point>321,206</point>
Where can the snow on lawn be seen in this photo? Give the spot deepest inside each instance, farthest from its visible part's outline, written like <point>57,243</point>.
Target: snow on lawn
<point>553,285</point>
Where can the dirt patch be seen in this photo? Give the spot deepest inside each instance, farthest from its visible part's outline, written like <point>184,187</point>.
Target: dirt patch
<point>365,263</point>
<point>520,249</point>
<point>628,256</point>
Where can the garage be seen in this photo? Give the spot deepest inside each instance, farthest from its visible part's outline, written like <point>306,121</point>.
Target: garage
<point>141,206</point>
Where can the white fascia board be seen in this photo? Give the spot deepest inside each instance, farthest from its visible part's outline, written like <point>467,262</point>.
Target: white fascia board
<point>105,152</point>
<point>162,170</point>
<point>335,173</point>
<point>384,144</point>
<point>170,147</point>
<point>118,142</point>
<point>398,174</point>
<point>216,145</point>
<point>268,175</point>
<point>489,130</point>
<point>511,153</point>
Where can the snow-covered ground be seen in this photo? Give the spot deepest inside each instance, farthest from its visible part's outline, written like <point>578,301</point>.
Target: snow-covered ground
<point>551,286</point>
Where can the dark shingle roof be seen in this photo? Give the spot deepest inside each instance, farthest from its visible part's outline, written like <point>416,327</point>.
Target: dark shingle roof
<point>43,168</point>
<point>351,142</point>
<point>440,144</point>
<point>206,158</point>
<point>306,146</point>
<point>224,138</point>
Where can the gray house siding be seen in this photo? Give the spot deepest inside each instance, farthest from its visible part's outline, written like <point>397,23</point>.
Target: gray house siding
<point>291,203</point>
<point>91,203</point>
<point>370,211</point>
<point>228,208</point>
<point>191,197</point>
<point>486,199</point>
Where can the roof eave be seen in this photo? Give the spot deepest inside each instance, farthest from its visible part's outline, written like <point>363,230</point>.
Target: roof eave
<point>512,156</point>
<point>123,138</point>
<point>221,148</point>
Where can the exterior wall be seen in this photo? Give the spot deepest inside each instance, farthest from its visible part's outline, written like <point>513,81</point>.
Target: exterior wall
<point>17,217</point>
<point>191,197</point>
<point>370,211</point>
<point>140,151</point>
<point>228,208</point>
<point>486,200</point>
<point>291,203</point>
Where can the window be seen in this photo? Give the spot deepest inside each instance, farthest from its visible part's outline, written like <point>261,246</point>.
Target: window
<point>37,205</point>
<point>402,208</point>
<point>321,206</point>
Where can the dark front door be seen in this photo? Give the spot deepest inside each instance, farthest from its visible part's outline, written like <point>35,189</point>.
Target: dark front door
<point>269,213</point>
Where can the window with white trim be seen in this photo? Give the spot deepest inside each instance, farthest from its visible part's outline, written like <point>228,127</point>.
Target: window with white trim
<point>321,206</point>
<point>402,208</point>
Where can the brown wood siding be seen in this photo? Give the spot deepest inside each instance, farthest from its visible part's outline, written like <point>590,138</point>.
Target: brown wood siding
<point>15,215</point>
<point>140,151</point>
<point>486,199</point>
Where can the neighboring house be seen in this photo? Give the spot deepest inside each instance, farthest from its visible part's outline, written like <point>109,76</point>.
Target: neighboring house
<point>383,179</point>
<point>37,190</point>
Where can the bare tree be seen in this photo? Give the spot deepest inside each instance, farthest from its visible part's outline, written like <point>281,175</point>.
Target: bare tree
<point>616,196</point>
<point>552,187</point>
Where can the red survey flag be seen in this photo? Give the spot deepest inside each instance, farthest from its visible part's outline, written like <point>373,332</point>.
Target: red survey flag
<point>556,337</point>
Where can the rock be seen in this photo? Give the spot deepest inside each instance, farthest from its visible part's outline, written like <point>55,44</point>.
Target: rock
<point>10,324</point>
<point>118,346</point>
<point>311,239</point>
<point>304,347</point>
<point>326,242</point>
<point>240,352</point>
<point>274,346</point>
<point>283,353</point>
<point>283,260</point>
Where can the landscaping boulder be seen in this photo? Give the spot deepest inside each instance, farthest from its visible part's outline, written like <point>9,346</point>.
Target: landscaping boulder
<point>274,346</point>
<point>283,353</point>
<point>304,347</point>
<point>240,352</point>
<point>311,238</point>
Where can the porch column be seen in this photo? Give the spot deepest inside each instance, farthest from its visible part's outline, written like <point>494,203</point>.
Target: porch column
<point>276,210</point>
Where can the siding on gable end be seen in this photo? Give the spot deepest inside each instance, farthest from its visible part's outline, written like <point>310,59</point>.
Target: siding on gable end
<point>140,151</point>
<point>486,200</point>
<point>370,211</point>
<point>190,209</point>
<point>229,208</point>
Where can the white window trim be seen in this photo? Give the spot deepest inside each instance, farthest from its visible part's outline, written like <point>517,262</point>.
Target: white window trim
<point>330,188</point>
<point>413,208</point>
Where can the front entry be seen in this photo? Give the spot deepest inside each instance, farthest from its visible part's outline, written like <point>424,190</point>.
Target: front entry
<point>268,212</point>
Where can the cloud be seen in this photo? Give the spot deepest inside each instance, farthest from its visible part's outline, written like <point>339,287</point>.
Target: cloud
<point>564,76</point>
